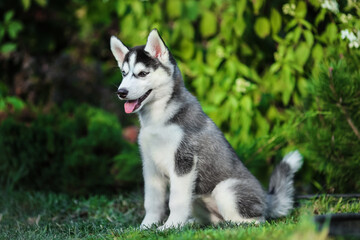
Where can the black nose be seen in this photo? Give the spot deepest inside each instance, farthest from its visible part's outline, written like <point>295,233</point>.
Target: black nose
<point>122,92</point>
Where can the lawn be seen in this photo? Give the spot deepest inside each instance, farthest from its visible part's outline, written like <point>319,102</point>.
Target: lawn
<point>34,215</point>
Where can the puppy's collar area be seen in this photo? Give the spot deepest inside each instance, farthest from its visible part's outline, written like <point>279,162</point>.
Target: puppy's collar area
<point>131,105</point>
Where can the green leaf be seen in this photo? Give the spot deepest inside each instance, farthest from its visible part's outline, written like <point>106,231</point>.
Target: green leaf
<point>137,8</point>
<point>272,114</point>
<point>8,47</point>
<point>41,3</point>
<point>192,10</point>
<point>302,86</point>
<point>262,123</point>
<point>187,48</point>
<point>17,103</point>
<point>240,7</point>
<point>297,34</point>
<point>26,4</point>
<point>120,7</point>
<point>301,10</point>
<point>288,84</point>
<point>208,24</point>
<point>275,20</point>
<point>306,24</point>
<point>317,53</point>
<point>14,28</point>
<point>187,29</point>
<point>246,104</point>
<point>239,26</point>
<point>275,67</point>
<point>309,37</point>
<point>262,27</point>
<point>8,16</point>
<point>257,5</point>
<point>173,9</point>
<point>320,17</point>
<point>227,21</point>
<point>219,97</point>
<point>331,32</point>
<point>302,53</point>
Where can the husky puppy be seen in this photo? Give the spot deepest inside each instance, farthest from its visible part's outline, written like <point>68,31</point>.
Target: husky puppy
<point>183,148</point>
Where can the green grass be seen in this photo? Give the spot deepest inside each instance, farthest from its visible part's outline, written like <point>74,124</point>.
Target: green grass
<point>33,215</point>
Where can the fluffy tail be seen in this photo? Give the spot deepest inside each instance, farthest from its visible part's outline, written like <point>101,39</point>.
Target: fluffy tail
<point>281,190</point>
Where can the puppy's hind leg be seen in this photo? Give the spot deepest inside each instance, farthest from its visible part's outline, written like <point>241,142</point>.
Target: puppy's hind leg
<point>240,201</point>
<point>205,211</point>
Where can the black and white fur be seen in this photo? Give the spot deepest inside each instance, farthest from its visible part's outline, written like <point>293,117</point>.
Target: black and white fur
<point>182,147</point>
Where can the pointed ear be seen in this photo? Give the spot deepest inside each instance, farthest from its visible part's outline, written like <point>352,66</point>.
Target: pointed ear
<point>155,46</point>
<point>118,49</point>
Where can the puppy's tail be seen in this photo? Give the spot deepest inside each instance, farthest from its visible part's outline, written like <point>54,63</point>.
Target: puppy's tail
<point>281,190</point>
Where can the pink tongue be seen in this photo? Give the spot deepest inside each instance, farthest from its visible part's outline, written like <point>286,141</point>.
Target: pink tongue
<point>130,106</point>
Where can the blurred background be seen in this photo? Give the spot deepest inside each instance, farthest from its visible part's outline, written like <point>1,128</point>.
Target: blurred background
<point>273,75</point>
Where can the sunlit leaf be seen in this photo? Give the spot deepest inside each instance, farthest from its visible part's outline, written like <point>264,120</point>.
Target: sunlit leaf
<point>240,7</point>
<point>302,53</point>
<point>208,24</point>
<point>317,52</point>
<point>262,27</point>
<point>275,20</point>
<point>331,32</point>
<point>301,9</point>
<point>187,48</point>
<point>239,26</point>
<point>309,37</point>
<point>173,8</point>
<point>120,7</point>
<point>257,5</point>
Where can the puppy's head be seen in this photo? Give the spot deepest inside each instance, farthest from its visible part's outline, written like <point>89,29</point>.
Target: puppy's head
<point>144,68</point>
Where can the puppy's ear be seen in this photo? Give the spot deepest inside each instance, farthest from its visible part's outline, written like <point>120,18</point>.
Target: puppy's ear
<point>118,49</point>
<point>156,47</point>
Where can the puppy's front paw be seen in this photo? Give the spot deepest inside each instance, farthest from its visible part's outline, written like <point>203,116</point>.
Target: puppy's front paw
<point>144,226</point>
<point>171,224</point>
<point>148,222</point>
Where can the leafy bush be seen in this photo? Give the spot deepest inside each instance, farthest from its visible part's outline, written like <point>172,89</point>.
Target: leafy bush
<point>75,152</point>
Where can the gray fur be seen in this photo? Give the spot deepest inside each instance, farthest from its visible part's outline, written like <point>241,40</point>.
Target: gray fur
<point>281,191</point>
<point>251,200</point>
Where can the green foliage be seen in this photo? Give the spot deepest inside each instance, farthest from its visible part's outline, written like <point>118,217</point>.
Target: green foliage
<point>331,138</point>
<point>9,30</point>
<point>75,152</point>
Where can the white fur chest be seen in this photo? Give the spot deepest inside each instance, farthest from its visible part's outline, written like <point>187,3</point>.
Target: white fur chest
<point>159,144</point>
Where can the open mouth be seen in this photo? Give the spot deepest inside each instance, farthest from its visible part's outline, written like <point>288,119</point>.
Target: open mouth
<point>131,105</point>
